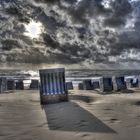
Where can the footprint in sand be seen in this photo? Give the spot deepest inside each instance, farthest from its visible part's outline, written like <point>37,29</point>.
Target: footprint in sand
<point>107,109</point>
<point>84,135</point>
<point>34,101</point>
<point>114,120</point>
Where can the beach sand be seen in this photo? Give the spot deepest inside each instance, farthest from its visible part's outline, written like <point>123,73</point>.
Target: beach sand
<point>87,116</point>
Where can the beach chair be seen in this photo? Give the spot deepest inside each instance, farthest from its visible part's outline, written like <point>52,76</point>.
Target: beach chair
<point>134,83</point>
<point>128,83</point>
<point>106,84</point>
<point>80,86</point>
<point>10,85</point>
<point>69,86</point>
<point>119,83</point>
<point>52,86</point>
<point>3,84</point>
<point>34,84</point>
<point>19,85</point>
<point>96,84</point>
<point>87,85</point>
<point>138,81</point>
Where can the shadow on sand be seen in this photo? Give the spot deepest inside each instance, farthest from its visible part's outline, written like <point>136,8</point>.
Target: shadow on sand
<point>127,91</point>
<point>69,116</point>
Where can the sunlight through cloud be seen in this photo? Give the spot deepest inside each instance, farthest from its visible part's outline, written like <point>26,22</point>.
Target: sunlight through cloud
<point>33,29</point>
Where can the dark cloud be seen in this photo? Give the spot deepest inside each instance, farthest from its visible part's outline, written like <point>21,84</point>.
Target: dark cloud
<point>120,9</point>
<point>114,21</point>
<point>47,1</point>
<point>50,41</point>
<point>9,44</point>
<point>74,31</point>
<point>82,11</point>
<point>126,41</point>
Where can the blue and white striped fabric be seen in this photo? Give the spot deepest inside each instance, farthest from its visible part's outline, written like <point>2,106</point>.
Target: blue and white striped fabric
<point>52,81</point>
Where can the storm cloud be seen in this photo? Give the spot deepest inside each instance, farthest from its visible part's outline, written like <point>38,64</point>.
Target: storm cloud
<point>74,31</point>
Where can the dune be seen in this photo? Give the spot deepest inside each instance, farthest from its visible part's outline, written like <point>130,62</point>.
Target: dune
<point>87,115</point>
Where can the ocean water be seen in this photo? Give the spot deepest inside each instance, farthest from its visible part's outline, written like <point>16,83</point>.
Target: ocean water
<point>72,72</point>
<point>99,73</point>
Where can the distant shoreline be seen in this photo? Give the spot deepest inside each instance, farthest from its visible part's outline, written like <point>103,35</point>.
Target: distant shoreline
<point>72,73</point>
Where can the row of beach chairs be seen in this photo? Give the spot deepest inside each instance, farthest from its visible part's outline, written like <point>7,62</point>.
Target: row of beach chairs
<point>106,84</point>
<point>54,88</point>
<point>11,84</point>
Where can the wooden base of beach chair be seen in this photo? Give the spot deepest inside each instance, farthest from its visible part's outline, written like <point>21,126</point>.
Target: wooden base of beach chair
<point>49,99</point>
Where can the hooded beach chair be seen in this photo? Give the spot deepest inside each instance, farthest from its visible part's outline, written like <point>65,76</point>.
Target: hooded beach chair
<point>80,86</point>
<point>106,84</point>
<point>11,85</point>
<point>3,84</point>
<point>87,85</point>
<point>119,83</point>
<point>69,86</point>
<point>52,86</point>
<point>134,83</point>
<point>34,84</point>
<point>96,84</point>
<point>19,85</point>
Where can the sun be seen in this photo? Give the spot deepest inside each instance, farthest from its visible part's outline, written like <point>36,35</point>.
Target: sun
<point>33,29</point>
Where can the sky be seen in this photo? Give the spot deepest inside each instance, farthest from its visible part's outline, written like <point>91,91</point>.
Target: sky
<point>87,33</point>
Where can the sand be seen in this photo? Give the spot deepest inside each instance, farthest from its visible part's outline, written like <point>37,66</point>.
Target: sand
<point>87,116</point>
